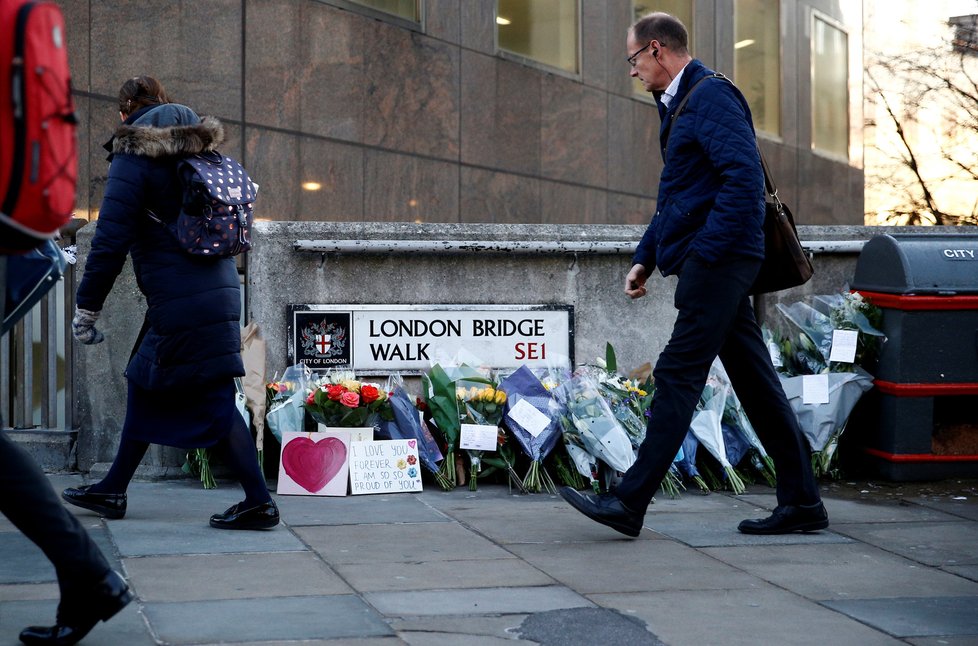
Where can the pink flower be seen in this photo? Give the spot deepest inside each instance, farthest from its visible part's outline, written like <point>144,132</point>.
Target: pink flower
<point>350,399</point>
<point>311,399</point>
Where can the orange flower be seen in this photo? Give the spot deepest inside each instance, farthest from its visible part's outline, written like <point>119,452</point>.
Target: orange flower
<point>335,391</point>
<point>369,393</point>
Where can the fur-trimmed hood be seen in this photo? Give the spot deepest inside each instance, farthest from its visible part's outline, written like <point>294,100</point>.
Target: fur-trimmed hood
<point>168,141</point>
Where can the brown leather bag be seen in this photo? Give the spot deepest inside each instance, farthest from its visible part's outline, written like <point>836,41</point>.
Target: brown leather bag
<point>786,264</point>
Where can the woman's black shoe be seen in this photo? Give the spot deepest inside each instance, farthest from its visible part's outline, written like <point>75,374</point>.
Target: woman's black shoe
<point>110,505</point>
<point>264,516</point>
<point>109,596</point>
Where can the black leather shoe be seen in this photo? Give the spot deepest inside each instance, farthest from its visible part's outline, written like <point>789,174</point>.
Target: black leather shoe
<point>109,596</point>
<point>606,509</point>
<point>264,516</point>
<point>110,505</point>
<point>786,519</point>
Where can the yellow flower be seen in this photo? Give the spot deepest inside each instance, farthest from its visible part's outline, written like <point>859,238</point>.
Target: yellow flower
<point>461,394</point>
<point>500,397</point>
<point>351,384</point>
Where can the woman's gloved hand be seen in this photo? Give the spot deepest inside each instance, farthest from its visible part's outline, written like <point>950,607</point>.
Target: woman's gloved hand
<point>83,327</point>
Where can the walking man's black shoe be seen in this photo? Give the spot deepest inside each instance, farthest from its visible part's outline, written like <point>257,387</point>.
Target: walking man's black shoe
<point>786,519</point>
<point>110,505</point>
<point>606,509</point>
<point>105,599</point>
<point>264,516</point>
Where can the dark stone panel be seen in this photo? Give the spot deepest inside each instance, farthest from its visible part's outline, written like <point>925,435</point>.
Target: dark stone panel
<point>82,110</point>
<point>574,133</point>
<point>489,196</point>
<point>569,204</point>
<point>76,15</point>
<point>272,160</point>
<point>594,44</point>
<point>442,19</point>
<point>330,83</point>
<point>402,188</point>
<point>618,20</point>
<point>412,93</point>
<point>629,209</point>
<point>478,25</point>
<point>338,168</point>
<point>634,160</point>
<point>101,118</point>
<point>500,119</point>
<point>272,89</point>
<point>194,49</point>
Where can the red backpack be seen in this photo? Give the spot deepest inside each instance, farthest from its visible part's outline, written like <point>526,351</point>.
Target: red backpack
<point>38,147</point>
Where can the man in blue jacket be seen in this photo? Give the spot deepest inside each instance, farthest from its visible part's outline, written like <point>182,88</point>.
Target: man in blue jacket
<point>708,229</point>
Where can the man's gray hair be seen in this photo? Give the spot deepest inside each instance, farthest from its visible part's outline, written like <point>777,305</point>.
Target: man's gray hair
<point>663,27</point>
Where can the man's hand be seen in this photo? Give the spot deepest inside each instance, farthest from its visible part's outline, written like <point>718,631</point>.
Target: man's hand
<point>635,282</point>
<point>83,327</point>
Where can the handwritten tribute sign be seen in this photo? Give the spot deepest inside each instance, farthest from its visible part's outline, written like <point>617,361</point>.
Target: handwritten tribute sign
<point>384,466</point>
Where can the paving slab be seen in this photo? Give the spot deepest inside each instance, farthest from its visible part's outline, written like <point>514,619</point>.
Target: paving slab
<point>915,617</point>
<point>442,575</point>
<point>517,522</point>
<point>23,561</point>
<point>720,529</point>
<point>422,638</point>
<point>867,511</point>
<point>961,506</point>
<point>154,537</point>
<point>406,543</point>
<point>627,566</point>
<point>282,619</point>
<point>967,571</point>
<point>475,601</point>
<point>232,576</point>
<point>126,627</point>
<point>849,571</point>
<point>939,544</point>
<point>354,510</point>
<point>29,591</point>
<point>745,617</point>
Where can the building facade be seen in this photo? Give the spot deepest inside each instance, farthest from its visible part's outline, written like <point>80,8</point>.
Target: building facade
<point>469,111</point>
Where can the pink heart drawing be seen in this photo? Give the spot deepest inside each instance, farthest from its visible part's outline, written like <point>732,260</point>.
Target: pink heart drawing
<point>412,443</point>
<point>313,464</point>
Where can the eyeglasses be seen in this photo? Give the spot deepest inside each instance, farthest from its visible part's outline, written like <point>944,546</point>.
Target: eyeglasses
<point>632,60</point>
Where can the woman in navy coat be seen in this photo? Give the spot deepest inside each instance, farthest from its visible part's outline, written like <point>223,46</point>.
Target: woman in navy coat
<point>181,374</point>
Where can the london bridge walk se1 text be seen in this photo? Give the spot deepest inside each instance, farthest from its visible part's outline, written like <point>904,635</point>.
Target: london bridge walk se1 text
<point>453,327</point>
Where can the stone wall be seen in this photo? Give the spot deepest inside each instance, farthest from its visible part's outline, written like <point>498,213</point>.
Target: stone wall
<point>277,275</point>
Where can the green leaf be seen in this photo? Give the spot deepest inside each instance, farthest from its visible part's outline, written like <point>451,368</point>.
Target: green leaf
<point>611,362</point>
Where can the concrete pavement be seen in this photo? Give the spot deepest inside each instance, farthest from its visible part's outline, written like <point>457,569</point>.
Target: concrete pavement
<point>899,565</point>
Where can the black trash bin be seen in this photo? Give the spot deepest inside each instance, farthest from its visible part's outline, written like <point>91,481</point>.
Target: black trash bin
<point>920,422</point>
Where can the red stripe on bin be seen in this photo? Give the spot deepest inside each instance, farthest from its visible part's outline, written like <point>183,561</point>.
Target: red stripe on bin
<point>920,302</point>
<point>919,457</point>
<point>925,390</point>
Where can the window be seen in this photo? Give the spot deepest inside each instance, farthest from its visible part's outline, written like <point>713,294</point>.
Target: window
<point>407,9</point>
<point>546,31</point>
<point>757,60</point>
<point>830,88</point>
<point>682,9</point>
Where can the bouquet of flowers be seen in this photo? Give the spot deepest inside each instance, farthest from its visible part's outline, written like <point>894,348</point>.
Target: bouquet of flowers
<point>528,417</point>
<point>284,400</point>
<point>339,399</point>
<point>483,405</point>
<point>589,422</point>
<point>708,429</point>
<point>442,402</point>
<point>407,424</point>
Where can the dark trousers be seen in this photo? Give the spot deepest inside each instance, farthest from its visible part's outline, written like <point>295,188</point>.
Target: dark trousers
<point>716,319</point>
<point>30,503</point>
